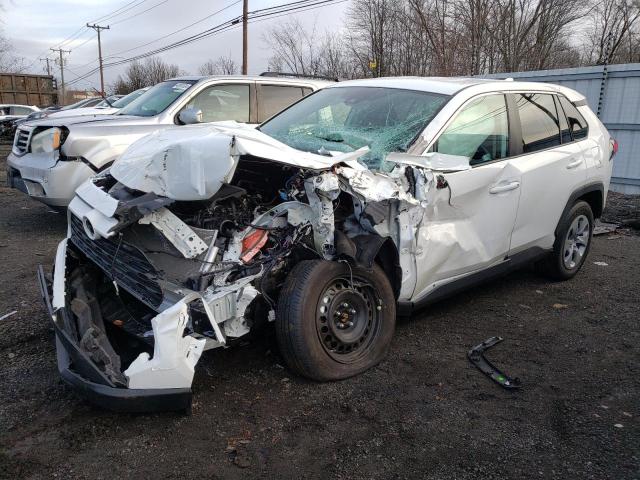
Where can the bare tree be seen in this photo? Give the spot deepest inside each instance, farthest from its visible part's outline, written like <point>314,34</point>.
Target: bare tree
<point>10,62</point>
<point>612,30</point>
<point>295,48</point>
<point>221,66</point>
<point>460,37</point>
<point>139,75</point>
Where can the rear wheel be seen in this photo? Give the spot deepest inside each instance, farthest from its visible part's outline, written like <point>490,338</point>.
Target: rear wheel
<point>572,244</point>
<point>334,320</point>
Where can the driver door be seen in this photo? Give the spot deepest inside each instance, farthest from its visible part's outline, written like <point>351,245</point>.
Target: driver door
<point>468,227</point>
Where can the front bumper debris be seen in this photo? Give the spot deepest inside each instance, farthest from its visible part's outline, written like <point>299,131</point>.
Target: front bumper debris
<point>476,356</point>
<point>83,375</point>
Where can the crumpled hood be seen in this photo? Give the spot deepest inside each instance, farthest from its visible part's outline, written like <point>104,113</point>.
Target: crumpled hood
<point>192,162</point>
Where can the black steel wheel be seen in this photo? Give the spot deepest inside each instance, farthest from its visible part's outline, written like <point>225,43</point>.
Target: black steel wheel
<point>334,320</point>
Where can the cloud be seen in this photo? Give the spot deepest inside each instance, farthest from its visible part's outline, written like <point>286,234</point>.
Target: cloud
<point>35,26</point>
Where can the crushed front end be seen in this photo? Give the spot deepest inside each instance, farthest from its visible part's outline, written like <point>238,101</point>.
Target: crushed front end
<point>183,246</point>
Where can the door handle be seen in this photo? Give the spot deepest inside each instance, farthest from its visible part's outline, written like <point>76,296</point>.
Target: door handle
<point>504,187</point>
<point>574,164</point>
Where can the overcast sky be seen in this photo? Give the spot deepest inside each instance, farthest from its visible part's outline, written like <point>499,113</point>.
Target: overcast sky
<point>33,26</point>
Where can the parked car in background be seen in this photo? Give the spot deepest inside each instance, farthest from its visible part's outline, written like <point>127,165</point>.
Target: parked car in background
<point>45,112</point>
<point>366,197</point>
<point>114,104</point>
<point>52,157</point>
<point>10,113</point>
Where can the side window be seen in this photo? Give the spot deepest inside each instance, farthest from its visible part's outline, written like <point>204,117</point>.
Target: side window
<point>479,132</point>
<point>539,121</point>
<point>274,98</point>
<point>223,102</point>
<point>577,123</point>
<point>20,111</point>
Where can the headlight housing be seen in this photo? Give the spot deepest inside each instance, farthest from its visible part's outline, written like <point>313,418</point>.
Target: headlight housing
<point>46,141</point>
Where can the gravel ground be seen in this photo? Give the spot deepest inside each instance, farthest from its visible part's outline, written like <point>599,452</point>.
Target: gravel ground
<point>425,412</point>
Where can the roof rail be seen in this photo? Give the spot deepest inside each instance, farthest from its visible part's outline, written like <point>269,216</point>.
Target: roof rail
<point>298,75</point>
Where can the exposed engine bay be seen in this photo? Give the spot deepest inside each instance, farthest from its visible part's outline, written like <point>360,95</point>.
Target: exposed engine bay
<point>160,265</point>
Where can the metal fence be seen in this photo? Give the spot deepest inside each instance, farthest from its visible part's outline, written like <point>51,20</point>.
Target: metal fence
<point>614,93</point>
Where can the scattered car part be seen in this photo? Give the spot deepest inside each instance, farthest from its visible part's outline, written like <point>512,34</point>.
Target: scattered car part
<point>476,356</point>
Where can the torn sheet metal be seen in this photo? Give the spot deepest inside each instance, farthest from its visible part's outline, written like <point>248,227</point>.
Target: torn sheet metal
<point>176,231</point>
<point>174,355</point>
<point>321,191</point>
<point>406,184</point>
<point>432,161</point>
<point>237,326</point>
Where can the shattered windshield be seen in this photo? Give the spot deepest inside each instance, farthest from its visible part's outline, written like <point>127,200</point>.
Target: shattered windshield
<point>157,98</point>
<point>344,119</point>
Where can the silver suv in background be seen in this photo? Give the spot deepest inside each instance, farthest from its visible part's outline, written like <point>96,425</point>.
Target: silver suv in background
<point>52,157</point>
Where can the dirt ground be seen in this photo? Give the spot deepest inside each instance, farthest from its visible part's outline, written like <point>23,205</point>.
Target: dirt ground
<point>425,412</point>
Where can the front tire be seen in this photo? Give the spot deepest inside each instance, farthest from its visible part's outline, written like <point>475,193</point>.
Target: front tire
<point>572,243</point>
<point>334,320</point>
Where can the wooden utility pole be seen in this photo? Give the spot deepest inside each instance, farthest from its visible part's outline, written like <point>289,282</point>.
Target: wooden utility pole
<point>97,28</point>
<point>60,51</point>
<point>48,67</point>
<point>245,17</point>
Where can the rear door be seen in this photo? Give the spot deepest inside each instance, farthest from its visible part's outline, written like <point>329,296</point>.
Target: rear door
<point>552,166</point>
<point>469,226</point>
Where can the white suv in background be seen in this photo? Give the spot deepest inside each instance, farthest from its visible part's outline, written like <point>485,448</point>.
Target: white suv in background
<point>52,157</point>
<point>365,197</point>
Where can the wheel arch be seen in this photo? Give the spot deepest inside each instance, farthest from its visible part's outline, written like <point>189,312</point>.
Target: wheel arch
<point>593,194</point>
<point>369,249</point>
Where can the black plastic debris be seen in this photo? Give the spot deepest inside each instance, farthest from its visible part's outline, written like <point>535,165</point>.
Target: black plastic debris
<point>476,356</point>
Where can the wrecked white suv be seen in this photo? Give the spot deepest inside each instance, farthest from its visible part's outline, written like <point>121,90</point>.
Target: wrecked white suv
<point>361,200</point>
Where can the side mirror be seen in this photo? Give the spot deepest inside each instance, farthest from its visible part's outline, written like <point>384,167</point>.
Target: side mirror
<point>190,115</point>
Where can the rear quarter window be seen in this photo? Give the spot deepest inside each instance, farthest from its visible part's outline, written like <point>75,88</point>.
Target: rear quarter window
<point>577,124</point>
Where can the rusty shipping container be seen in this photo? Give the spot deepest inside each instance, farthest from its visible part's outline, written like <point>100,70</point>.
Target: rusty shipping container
<point>25,89</point>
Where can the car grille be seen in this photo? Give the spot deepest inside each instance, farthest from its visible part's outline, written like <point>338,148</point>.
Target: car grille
<point>21,141</point>
<point>130,268</point>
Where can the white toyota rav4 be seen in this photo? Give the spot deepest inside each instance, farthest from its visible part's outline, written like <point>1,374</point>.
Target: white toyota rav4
<point>363,199</point>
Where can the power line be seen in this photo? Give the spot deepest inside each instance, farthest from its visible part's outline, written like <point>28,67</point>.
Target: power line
<point>140,13</point>
<point>78,33</point>
<point>254,17</point>
<point>174,32</point>
<point>119,11</point>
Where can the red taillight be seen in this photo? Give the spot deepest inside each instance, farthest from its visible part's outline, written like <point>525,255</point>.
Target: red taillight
<point>614,147</point>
